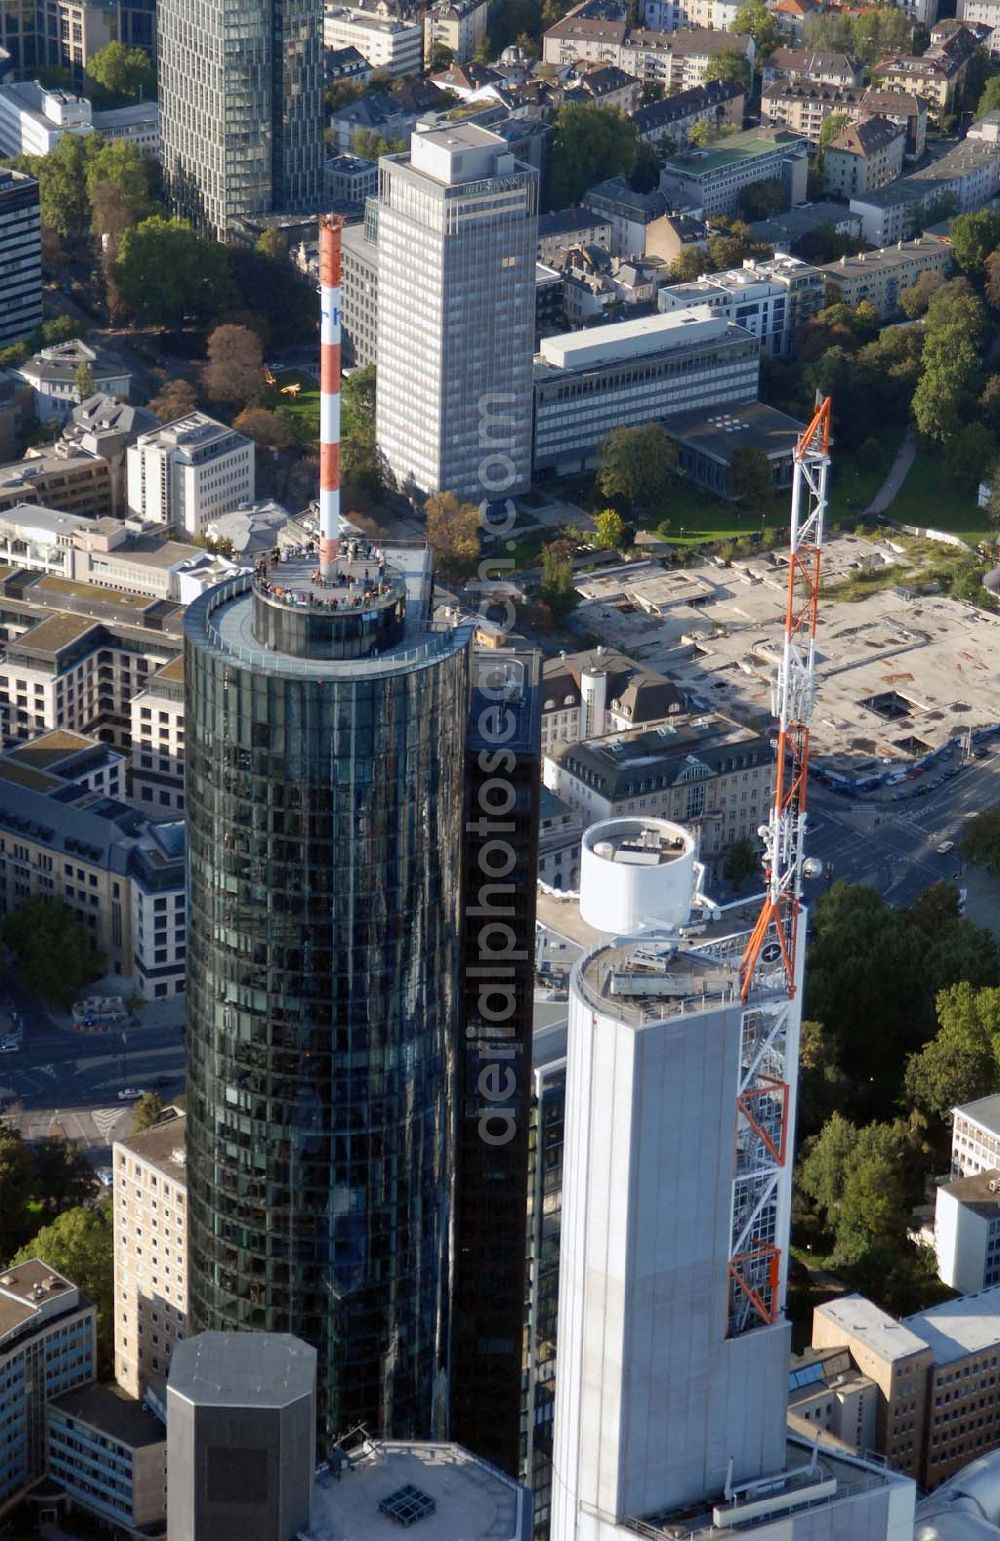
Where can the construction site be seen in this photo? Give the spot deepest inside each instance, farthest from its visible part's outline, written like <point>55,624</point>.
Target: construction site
<point>902,674</point>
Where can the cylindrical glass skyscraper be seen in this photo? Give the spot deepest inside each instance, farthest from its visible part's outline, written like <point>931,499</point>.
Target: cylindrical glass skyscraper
<point>326,732</point>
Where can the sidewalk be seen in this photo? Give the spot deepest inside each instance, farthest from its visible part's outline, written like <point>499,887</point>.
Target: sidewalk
<point>898,472</point>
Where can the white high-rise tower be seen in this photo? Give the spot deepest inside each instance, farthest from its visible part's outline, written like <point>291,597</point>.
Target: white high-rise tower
<point>672,1381</point>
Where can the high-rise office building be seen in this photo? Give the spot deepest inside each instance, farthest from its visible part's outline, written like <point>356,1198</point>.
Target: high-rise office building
<point>501,863</point>
<point>325,788</point>
<point>457,223</point>
<point>20,257</point>
<point>241,96</point>
<point>672,1382</point>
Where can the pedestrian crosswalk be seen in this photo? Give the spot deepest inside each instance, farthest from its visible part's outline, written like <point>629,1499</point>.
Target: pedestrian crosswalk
<point>105,1119</point>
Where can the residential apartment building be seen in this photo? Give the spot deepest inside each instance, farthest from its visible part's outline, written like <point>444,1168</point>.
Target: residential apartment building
<point>635,372</point>
<point>157,767</point>
<point>898,1361</point>
<point>711,180</point>
<point>182,474</point>
<point>457,237</point>
<point>970,171</point>
<point>33,118</point>
<point>359,292</point>
<point>380,36</point>
<point>20,257</point>
<point>975,1137</point>
<point>588,694</point>
<point>707,772</point>
<point>769,297</point>
<point>458,25</point>
<point>670,15</point>
<point>881,276</point>
<point>48,1334</point>
<point>804,105</point>
<point>241,126</point>
<point>718,103</point>
<point>967,1232</point>
<point>151,1286</point>
<point>108,1454</point>
<point>937,75</point>
<point>640,222</point>
<point>575,226</point>
<point>592,32</point>
<point>987,14</point>
<point>122,876</point>
<point>900,107</point>
<point>52,375</point>
<point>864,157</point>
<point>813,64</point>
<point>679,60</point>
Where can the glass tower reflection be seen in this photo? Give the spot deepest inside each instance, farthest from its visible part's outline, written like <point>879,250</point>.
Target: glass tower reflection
<point>325,814</point>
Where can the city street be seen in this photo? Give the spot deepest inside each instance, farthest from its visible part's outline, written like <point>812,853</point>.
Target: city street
<point>893,845</point>
<point>66,1083</point>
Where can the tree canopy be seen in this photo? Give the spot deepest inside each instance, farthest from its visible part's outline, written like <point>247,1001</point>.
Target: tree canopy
<point>122,74</point>
<point>79,1244</point>
<point>635,464</point>
<point>589,144</point>
<point>166,272</point>
<point>53,954</point>
<point>869,962</point>
<point>452,534</point>
<point>754,18</point>
<point>730,65</point>
<point>146,1111</point>
<point>973,237</point>
<point>980,842</point>
<point>962,1061</point>
<point>750,477</point>
<point>235,368</point>
<point>609,529</point>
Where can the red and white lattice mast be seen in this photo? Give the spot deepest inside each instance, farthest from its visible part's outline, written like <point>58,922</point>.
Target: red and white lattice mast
<point>771,966</point>
<point>330,227</point>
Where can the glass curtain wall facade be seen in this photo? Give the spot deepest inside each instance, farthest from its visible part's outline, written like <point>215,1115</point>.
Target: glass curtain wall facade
<point>325,814</point>
<point>456,319</point>
<point>502,782</point>
<point>241,96</point>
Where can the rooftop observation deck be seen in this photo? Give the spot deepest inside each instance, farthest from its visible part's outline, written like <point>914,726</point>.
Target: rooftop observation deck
<point>357,609</point>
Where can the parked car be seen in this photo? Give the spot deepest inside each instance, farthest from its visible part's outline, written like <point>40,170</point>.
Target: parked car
<point>131,1093</point>
<point>105,1176</point>
<point>945,847</point>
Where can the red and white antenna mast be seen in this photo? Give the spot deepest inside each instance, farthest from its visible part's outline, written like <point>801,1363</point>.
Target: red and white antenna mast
<point>792,704</point>
<point>770,965</point>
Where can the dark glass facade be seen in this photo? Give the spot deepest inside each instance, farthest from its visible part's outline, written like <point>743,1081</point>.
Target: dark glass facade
<point>501,866</point>
<point>325,805</point>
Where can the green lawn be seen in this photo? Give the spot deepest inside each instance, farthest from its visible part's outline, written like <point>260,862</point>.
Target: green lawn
<point>688,515</point>
<point>929,497</point>
<point>302,411</point>
<point>852,485</point>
